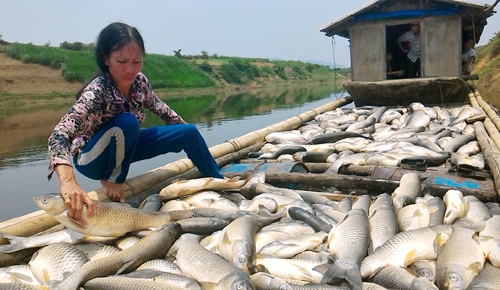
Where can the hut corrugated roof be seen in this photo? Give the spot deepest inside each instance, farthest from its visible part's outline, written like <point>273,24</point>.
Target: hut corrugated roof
<point>473,14</point>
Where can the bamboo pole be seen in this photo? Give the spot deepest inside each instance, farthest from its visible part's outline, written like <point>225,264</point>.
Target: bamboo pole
<point>488,124</point>
<point>490,151</point>
<point>35,222</point>
<point>488,110</point>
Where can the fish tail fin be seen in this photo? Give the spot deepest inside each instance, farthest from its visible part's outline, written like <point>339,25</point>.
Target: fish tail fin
<point>351,276</point>
<point>16,243</point>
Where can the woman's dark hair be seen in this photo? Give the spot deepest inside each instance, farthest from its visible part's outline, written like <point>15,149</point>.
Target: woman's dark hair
<point>114,37</point>
<point>111,38</point>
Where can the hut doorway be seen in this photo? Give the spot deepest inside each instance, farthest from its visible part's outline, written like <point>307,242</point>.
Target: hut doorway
<point>396,59</point>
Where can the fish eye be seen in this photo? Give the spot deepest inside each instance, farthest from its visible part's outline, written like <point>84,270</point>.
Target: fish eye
<point>242,259</point>
<point>239,286</point>
<point>45,200</point>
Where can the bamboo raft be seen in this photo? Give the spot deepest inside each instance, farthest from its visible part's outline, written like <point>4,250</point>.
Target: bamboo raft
<point>351,180</point>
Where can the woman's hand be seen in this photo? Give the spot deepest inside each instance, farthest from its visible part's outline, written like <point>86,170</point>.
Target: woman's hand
<point>72,193</point>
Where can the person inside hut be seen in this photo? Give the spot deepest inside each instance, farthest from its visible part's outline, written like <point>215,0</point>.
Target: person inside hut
<point>392,74</point>
<point>100,133</point>
<point>412,37</point>
<point>468,56</point>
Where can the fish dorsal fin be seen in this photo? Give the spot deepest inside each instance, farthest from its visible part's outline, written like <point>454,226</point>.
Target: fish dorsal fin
<point>410,257</point>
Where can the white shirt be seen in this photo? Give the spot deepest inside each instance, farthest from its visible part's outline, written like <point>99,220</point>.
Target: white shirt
<point>466,55</point>
<point>414,41</point>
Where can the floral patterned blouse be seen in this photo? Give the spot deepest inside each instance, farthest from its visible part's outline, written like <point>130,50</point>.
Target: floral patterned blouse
<point>98,103</point>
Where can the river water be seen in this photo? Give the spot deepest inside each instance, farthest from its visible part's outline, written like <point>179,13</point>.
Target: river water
<point>219,117</point>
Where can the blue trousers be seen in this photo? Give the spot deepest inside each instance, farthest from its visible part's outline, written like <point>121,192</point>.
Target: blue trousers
<point>121,141</point>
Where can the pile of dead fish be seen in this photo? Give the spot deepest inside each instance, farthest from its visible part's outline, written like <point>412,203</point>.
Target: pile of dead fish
<point>211,233</point>
<point>278,239</point>
<point>382,136</point>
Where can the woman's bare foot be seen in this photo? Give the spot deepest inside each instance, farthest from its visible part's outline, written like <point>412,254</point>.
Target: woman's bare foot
<point>113,190</point>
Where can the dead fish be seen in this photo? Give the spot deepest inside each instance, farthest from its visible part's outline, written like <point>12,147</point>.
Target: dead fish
<point>55,262</point>
<point>288,248</point>
<point>151,203</point>
<point>460,258</point>
<point>21,286</point>
<point>478,211</point>
<point>316,223</point>
<point>202,225</point>
<point>408,190</point>
<point>438,204</point>
<point>395,277</point>
<point>109,218</point>
<point>186,187</point>
<point>372,286</point>
<point>383,225</point>
<point>313,197</point>
<point>255,204</point>
<point>405,248</point>
<point>210,270</point>
<point>288,136</point>
<point>363,202</point>
<point>18,274</point>
<point>458,142</point>
<point>413,216</point>
<point>345,205</point>
<point>354,159</point>
<point>237,243</point>
<point>126,283</point>
<point>470,148</point>
<point>337,215</point>
<point>487,279</point>
<point>126,242</point>
<point>210,199</point>
<point>417,119</point>
<point>383,198</point>
<point>425,268</point>
<point>162,265</point>
<point>96,251</point>
<point>464,162</point>
<point>266,281</point>
<point>175,205</point>
<point>456,206</point>
<point>228,215</point>
<point>332,137</point>
<point>290,149</point>
<point>65,235</point>
<point>288,268</point>
<point>348,242</point>
<point>362,124</point>
<point>154,245</point>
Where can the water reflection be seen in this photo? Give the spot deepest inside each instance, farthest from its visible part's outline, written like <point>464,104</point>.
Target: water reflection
<point>24,134</point>
<point>219,117</point>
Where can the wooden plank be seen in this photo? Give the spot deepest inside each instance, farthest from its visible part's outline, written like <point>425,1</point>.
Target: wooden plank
<point>438,183</point>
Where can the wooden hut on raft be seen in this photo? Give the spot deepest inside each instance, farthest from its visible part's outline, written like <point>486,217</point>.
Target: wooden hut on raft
<point>373,31</point>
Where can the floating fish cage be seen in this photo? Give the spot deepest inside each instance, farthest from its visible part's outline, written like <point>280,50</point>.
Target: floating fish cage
<point>370,197</point>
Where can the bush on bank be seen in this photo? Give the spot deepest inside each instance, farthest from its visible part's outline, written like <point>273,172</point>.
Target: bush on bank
<point>76,62</point>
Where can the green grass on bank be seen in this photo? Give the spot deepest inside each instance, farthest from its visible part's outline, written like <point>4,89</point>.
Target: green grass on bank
<point>203,71</point>
<point>492,51</point>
